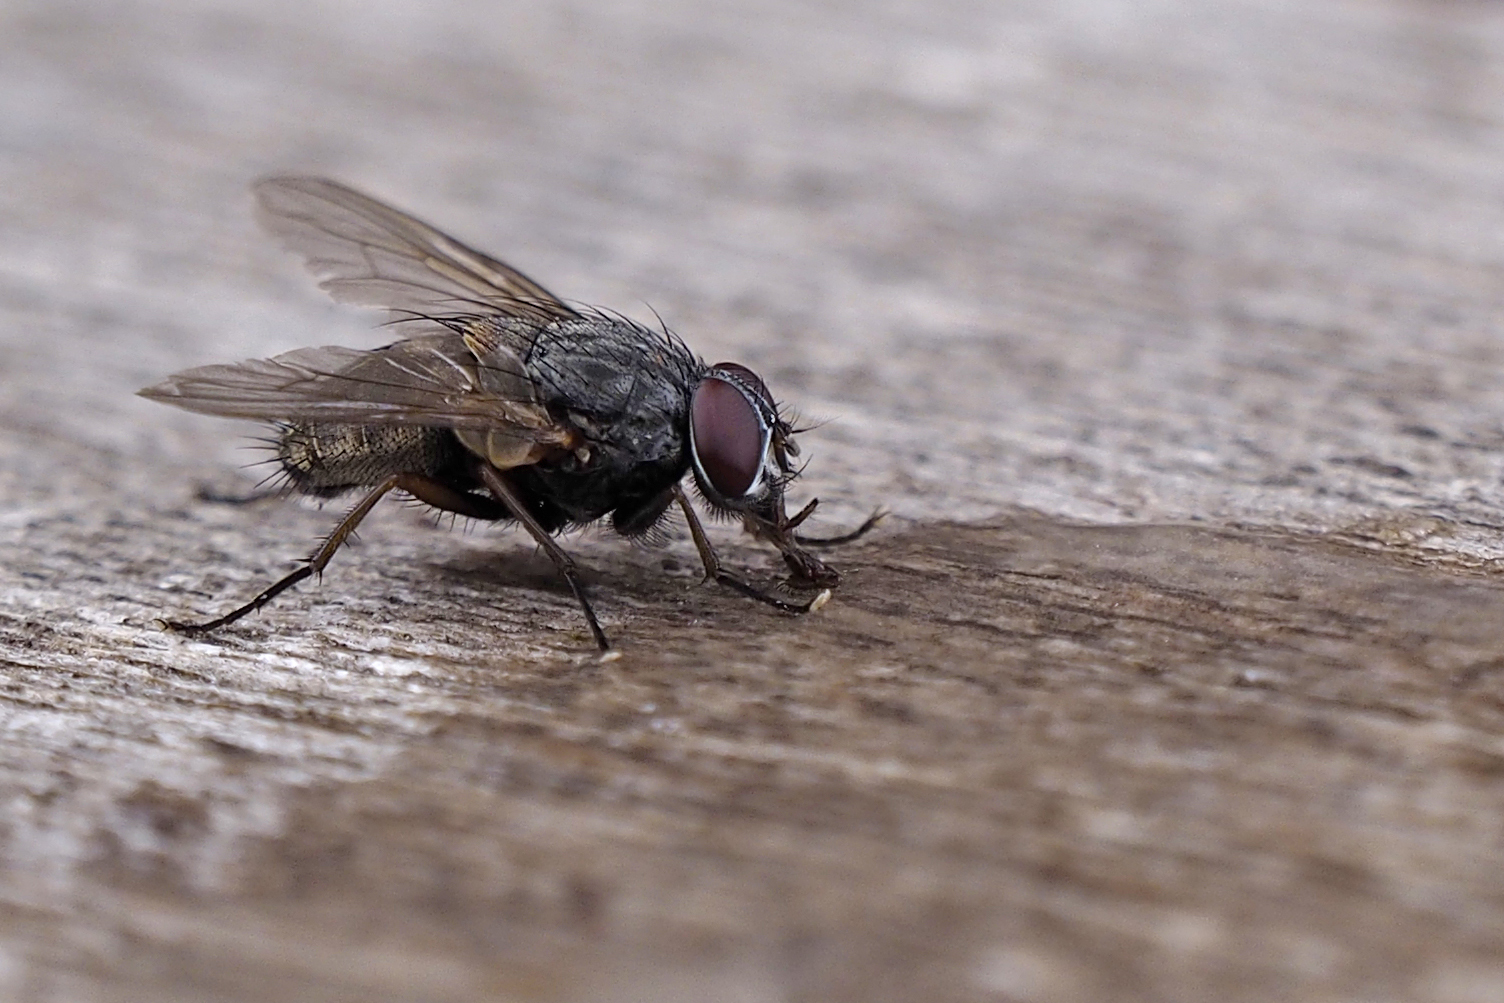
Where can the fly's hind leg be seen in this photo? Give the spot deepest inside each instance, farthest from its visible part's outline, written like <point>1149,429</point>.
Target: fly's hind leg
<point>713,568</point>
<point>423,488</point>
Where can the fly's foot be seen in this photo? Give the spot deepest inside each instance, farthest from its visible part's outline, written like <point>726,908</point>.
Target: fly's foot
<point>183,627</point>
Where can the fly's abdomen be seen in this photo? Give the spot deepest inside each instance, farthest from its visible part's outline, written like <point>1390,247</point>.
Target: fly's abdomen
<point>328,459</point>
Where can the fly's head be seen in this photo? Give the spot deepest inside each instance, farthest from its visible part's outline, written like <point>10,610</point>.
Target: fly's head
<point>740,447</point>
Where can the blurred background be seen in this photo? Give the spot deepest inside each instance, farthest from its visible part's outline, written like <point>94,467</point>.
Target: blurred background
<point>1103,246</point>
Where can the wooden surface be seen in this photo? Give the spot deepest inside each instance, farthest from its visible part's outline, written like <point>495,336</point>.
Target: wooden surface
<point>1170,332</point>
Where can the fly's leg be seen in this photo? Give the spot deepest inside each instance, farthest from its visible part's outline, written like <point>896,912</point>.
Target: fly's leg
<point>835,541</point>
<point>316,564</point>
<point>829,541</point>
<point>496,481</point>
<point>442,496</point>
<point>425,489</point>
<point>714,570</point>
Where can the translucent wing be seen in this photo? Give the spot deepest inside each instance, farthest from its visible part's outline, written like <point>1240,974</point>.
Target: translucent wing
<point>365,252</point>
<point>429,380</point>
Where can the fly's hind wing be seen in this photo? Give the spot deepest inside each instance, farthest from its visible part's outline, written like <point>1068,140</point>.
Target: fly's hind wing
<point>432,380</point>
<point>368,253</point>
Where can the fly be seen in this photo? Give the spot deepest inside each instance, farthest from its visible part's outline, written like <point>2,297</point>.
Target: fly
<point>504,404</point>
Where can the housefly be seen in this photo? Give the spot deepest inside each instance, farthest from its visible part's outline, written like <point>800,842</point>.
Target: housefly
<point>503,403</point>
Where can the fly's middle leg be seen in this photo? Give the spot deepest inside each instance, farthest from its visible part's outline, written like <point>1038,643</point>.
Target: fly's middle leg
<point>496,481</point>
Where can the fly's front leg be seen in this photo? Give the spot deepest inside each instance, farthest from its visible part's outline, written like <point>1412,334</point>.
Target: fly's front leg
<point>829,541</point>
<point>835,541</point>
<point>497,482</point>
<point>714,570</point>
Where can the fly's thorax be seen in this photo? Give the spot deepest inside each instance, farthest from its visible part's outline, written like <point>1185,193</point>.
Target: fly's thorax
<point>612,369</point>
<point>622,387</point>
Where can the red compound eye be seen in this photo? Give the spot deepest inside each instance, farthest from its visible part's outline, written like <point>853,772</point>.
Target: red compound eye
<point>728,437</point>
<point>748,376</point>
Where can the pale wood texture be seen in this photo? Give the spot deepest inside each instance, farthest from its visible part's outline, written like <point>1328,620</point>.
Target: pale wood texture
<point>1170,332</point>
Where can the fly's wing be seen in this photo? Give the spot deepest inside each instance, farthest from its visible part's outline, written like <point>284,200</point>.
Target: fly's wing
<point>365,252</point>
<point>429,380</point>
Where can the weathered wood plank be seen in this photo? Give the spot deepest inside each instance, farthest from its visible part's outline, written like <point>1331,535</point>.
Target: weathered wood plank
<point>1169,332</point>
